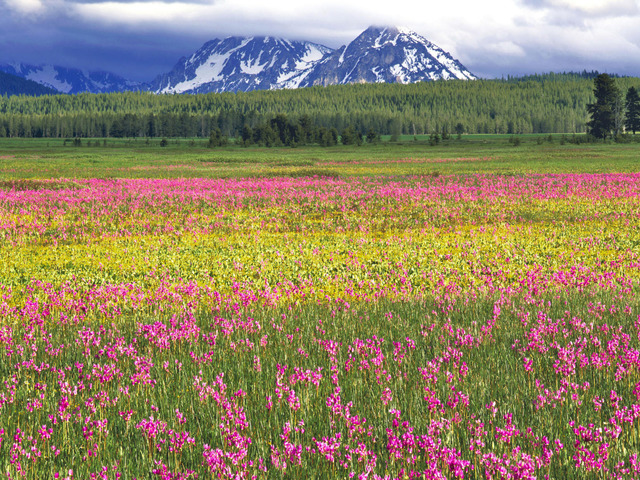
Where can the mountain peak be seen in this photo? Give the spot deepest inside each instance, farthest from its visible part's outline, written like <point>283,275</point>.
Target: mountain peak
<point>242,64</point>
<point>388,31</point>
<point>387,54</point>
<point>382,53</point>
<point>378,29</point>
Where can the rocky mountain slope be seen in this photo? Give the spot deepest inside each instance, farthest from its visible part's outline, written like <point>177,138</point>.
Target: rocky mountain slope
<point>242,64</point>
<point>389,55</point>
<point>72,80</point>
<point>379,54</point>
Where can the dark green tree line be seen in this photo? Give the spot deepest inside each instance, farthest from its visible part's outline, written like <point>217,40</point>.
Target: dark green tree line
<point>610,114</point>
<point>541,104</point>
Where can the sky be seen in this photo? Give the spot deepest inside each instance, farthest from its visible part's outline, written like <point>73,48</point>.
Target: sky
<point>140,39</point>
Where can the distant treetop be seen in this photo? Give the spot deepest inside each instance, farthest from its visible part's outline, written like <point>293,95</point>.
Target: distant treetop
<point>556,77</point>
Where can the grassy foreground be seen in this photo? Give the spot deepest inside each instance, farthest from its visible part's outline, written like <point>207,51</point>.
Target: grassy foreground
<point>437,316</point>
<point>471,389</point>
<point>189,158</point>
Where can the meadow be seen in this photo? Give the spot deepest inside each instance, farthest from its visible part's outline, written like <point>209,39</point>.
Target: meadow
<point>467,310</point>
<point>189,158</point>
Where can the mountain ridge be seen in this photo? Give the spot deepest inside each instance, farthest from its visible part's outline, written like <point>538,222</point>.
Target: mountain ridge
<point>72,80</point>
<point>380,54</point>
<point>383,54</point>
<point>11,85</point>
<point>237,64</point>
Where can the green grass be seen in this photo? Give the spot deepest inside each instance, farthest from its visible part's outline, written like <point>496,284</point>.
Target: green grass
<point>135,158</point>
<point>478,345</point>
<point>428,324</point>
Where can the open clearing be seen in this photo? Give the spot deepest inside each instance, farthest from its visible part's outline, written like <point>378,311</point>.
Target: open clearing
<point>468,310</point>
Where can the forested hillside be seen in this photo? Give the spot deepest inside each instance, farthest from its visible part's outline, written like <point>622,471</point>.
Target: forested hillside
<point>12,85</point>
<point>538,104</point>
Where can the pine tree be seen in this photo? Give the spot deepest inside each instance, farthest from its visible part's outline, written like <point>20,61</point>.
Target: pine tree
<point>632,122</point>
<point>247,135</point>
<point>373,136</point>
<point>603,111</point>
<point>350,136</point>
<point>217,139</point>
<point>280,125</point>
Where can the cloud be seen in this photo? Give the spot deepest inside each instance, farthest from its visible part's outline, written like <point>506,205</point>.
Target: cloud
<point>141,38</point>
<point>124,2</point>
<point>24,6</point>
<point>507,48</point>
<point>606,45</point>
<point>589,8</point>
<point>146,12</point>
<point>210,19</point>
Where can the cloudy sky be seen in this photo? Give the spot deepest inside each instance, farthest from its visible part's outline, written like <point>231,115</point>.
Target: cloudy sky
<point>139,39</point>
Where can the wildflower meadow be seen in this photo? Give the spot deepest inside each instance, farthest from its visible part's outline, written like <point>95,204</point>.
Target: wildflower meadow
<point>443,326</point>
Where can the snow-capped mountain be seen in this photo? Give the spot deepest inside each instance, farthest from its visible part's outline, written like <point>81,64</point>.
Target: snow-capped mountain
<point>379,54</point>
<point>233,64</point>
<point>389,55</point>
<point>72,80</point>
<point>242,64</point>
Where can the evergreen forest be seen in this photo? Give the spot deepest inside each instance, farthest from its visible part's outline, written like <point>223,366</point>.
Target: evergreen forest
<point>550,103</point>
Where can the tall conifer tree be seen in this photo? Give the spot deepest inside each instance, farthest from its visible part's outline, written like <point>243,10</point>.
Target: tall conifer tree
<point>632,122</point>
<point>603,111</point>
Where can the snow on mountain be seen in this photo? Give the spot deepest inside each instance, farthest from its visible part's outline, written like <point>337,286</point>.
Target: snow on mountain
<point>379,54</point>
<point>241,64</point>
<point>72,80</point>
<point>14,85</point>
<point>390,55</point>
<point>233,64</point>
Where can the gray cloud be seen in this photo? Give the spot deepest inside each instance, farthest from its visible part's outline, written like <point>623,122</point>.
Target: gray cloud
<point>142,38</point>
<point>588,8</point>
<point>194,2</point>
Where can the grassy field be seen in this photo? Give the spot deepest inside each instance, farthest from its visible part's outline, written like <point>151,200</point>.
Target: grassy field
<point>395,311</point>
<point>120,158</point>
